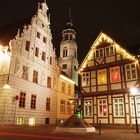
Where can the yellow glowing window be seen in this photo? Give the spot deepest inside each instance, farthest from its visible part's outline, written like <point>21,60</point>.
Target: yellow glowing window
<point>102,77</point>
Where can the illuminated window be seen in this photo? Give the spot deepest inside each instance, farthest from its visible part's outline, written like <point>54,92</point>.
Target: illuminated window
<point>49,82</point>
<point>35,76</point>
<point>102,108</point>
<point>44,39</point>
<point>64,66</point>
<point>33,101</point>
<point>27,46</point>
<point>63,87</point>
<point>109,50</point>
<point>88,108</point>
<point>118,104</point>
<point>38,34</point>
<point>36,52</point>
<point>99,53</point>
<point>32,121</point>
<point>86,79</point>
<point>48,104</point>
<point>65,51</point>
<point>69,89</point>
<point>131,72</point>
<point>115,74</point>
<point>137,99</point>
<point>69,111</point>
<point>20,121</point>
<point>62,106</point>
<point>102,77</point>
<point>43,56</point>
<point>25,73</point>
<point>22,99</point>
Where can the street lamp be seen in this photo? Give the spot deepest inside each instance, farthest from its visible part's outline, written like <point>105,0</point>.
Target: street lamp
<point>134,91</point>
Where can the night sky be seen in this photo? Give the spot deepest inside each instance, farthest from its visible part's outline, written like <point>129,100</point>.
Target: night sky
<point>118,18</point>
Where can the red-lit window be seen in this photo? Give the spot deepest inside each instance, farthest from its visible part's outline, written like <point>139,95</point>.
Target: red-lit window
<point>115,74</point>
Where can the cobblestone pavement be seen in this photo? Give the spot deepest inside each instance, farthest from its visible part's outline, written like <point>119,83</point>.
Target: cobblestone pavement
<point>49,133</point>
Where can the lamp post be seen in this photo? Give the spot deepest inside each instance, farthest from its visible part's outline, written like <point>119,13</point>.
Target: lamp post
<point>134,92</point>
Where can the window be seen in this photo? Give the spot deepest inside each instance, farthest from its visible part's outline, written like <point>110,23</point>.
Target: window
<point>33,101</point>
<point>102,77</point>
<point>115,74</point>
<point>65,51</point>
<point>43,56</point>
<point>118,107</point>
<point>35,76</point>
<point>20,121</point>
<point>85,79</point>
<point>137,99</point>
<point>109,50</point>
<point>62,106</point>
<point>75,67</point>
<point>44,39</point>
<point>36,52</point>
<point>102,108</point>
<point>38,34</point>
<point>49,82</point>
<point>65,37</point>
<point>131,72</point>
<point>25,73</point>
<point>48,104</point>
<point>27,47</point>
<point>50,60</point>
<point>22,99</point>
<point>99,53</point>
<point>68,108</point>
<point>88,109</point>
<point>70,37</point>
<point>69,89</point>
<point>64,66</point>
<point>63,87</point>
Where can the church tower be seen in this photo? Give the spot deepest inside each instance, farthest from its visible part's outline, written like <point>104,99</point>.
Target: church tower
<point>68,50</point>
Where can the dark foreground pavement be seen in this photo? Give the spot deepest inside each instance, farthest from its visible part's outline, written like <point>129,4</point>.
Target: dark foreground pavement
<point>48,133</point>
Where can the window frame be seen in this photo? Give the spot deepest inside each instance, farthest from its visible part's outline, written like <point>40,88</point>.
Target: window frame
<point>113,74</point>
<point>88,108</point>
<point>101,76</point>
<point>35,76</point>
<point>130,71</point>
<point>117,107</point>
<point>25,72</point>
<point>22,100</point>
<point>33,101</point>
<point>102,108</point>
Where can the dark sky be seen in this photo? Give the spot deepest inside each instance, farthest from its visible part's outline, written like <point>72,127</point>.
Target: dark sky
<point>118,18</point>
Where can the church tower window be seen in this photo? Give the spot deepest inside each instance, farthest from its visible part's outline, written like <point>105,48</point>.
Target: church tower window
<point>65,52</point>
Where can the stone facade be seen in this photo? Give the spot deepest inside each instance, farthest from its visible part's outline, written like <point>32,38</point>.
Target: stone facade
<point>30,68</point>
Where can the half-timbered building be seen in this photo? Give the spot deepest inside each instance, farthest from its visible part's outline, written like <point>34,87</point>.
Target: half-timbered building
<point>108,72</point>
